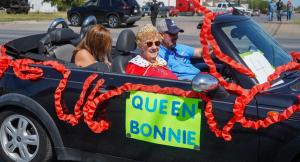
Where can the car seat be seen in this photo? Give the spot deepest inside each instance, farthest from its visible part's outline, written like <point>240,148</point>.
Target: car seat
<point>124,46</point>
<point>86,26</point>
<point>57,44</point>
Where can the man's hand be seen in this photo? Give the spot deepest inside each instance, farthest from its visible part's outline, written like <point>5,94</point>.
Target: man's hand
<point>198,52</point>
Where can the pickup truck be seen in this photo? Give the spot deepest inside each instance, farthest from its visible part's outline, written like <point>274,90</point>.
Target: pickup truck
<point>225,7</point>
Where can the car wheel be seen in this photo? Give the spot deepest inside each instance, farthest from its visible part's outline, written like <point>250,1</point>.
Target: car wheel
<point>8,11</point>
<point>75,20</point>
<point>130,24</point>
<point>23,138</point>
<point>113,21</point>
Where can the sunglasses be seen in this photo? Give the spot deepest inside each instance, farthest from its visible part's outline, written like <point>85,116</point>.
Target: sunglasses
<point>150,44</point>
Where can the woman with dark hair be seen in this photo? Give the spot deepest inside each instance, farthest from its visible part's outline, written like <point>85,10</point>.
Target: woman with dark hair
<point>94,48</point>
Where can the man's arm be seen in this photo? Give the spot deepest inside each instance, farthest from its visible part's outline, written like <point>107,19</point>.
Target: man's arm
<point>198,52</point>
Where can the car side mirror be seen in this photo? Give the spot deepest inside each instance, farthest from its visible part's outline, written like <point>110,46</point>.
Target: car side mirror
<point>210,85</point>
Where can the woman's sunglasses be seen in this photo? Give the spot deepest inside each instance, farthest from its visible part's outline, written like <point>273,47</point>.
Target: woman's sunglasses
<point>150,44</point>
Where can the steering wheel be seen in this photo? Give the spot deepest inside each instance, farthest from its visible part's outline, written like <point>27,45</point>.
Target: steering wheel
<point>57,22</point>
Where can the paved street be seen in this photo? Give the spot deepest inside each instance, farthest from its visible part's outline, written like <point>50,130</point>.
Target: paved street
<point>287,34</point>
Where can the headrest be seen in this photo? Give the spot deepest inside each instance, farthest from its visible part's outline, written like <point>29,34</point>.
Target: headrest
<point>58,35</point>
<point>62,35</point>
<point>84,30</point>
<point>87,24</point>
<point>126,41</point>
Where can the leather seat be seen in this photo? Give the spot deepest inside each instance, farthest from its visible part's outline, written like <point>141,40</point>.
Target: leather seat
<point>125,46</point>
<point>58,44</point>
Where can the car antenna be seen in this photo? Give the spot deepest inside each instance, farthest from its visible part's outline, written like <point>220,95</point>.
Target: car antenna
<point>235,11</point>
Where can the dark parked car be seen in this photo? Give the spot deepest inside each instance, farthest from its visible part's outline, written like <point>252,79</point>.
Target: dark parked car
<point>110,11</point>
<point>31,129</point>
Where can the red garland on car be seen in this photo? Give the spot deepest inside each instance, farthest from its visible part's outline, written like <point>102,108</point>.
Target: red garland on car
<point>244,96</point>
<point>23,70</point>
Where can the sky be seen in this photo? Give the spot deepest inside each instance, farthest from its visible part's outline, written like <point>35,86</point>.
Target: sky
<point>295,2</point>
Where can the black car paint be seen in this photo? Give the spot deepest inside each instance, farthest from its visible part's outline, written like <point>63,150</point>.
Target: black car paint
<point>105,8</point>
<point>280,139</point>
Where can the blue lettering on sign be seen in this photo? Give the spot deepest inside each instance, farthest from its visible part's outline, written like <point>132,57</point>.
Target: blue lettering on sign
<point>191,111</point>
<point>191,138</point>
<point>163,106</point>
<point>137,102</point>
<point>144,131</point>
<point>163,133</point>
<point>147,105</point>
<point>175,108</point>
<point>184,136</point>
<point>175,136</point>
<point>134,127</point>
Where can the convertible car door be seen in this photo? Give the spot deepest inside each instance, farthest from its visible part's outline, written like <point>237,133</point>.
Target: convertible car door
<point>116,142</point>
<point>281,138</point>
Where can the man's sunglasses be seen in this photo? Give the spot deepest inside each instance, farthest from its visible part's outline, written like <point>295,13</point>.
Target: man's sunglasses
<point>150,44</point>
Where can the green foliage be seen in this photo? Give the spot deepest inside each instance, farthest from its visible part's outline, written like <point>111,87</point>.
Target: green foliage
<point>63,5</point>
<point>297,9</point>
<point>263,6</point>
<point>259,4</point>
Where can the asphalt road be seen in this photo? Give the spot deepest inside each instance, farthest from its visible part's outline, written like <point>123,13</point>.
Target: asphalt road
<point>290,42</point>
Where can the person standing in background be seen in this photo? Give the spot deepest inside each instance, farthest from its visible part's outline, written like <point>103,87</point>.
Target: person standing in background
<point>154,8</point>
<point>271,8</point>
<point>279,5</point>
<point>289,10</point>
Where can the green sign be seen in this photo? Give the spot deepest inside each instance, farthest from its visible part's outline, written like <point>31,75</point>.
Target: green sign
<point>163,119</point>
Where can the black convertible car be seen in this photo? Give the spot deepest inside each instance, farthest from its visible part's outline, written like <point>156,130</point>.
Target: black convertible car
<point>139,130</point>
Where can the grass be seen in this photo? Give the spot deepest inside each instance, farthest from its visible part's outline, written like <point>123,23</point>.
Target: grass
<point>296,22</point>
<point>4,17</point>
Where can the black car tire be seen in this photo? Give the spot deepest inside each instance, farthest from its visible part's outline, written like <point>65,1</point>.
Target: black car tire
<point>75,20</point>
<point>40,147</point>
<point>130,24</point>
<point>8,11</point>
<point>113,21</point>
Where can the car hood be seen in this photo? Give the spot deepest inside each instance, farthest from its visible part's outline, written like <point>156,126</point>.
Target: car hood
<point>282,95</point>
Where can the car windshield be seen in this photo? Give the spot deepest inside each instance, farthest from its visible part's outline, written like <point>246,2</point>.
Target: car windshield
<point>248,37</point>
<point>91,3</point>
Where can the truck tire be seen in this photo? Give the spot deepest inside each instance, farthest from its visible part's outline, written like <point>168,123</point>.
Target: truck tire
<point>23,138</point>
<point>75,20</point>
<point>113,21</point>
<point>8,11</point>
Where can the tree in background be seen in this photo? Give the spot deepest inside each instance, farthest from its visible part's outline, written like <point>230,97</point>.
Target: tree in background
<point>297,9</point>
<point>63,5</point>
<point>259,4</point>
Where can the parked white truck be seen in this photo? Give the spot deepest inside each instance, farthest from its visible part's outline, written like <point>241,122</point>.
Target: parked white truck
<point>224,7</point>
